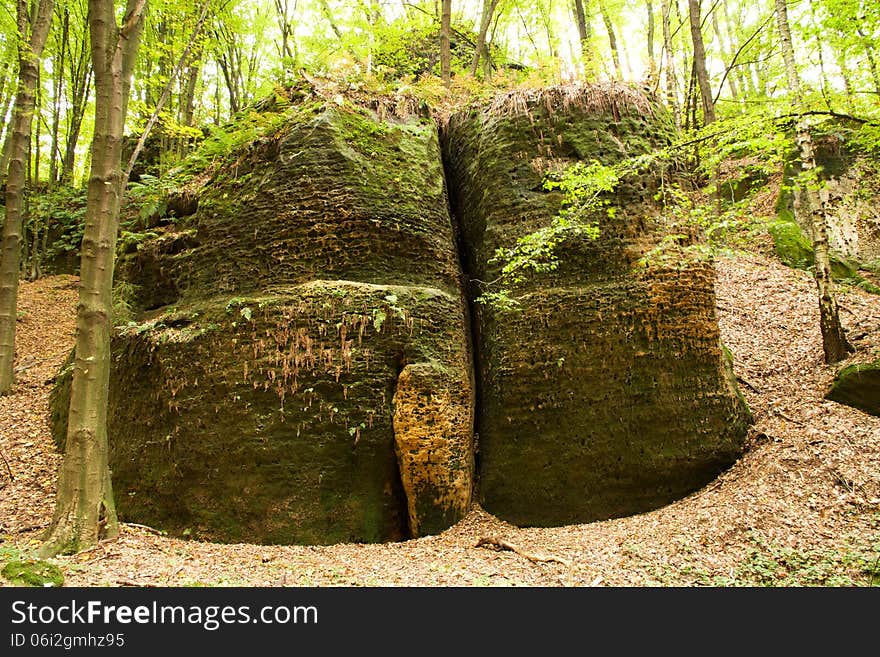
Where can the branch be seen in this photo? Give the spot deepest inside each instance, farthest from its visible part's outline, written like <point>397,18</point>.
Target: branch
<point>500,544</point>
<point>739,52</point>
<point>8,469</point>
<point>133,18</point>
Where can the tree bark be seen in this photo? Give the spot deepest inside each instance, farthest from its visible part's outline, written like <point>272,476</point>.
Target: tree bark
<point>58,68</point>
<point>486,20</point>
<point>811,200</point>
<point>582,19</point>
<point>700,62</point>
<point>728,55</point>
<point>80,83</point>
<point>30,49</point>
<point>612,39</point>
<point>85,510</point>
<point>445,34</point>
<point>872,62</point>
<point>671,82</point>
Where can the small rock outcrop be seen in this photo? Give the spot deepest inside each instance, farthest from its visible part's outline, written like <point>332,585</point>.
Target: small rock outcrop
<point>858,386</point>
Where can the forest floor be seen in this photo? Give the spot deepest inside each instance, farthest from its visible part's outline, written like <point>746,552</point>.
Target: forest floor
<point>801,507</point>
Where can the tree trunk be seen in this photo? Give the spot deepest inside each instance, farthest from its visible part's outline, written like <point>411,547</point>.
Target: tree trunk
<point>671,82</point>
<point>29,61</point>
<point>814,204</point>
<point>84,508</point>
<point>80,83</point>
<point>582,19</point>
<point>58,71</point>
<point>445,34</point>
<point>612,39</point>
<point>700,62</point>
<point>34,181</point>
<point>872,62</point>
<point>486,20</point>
<point>650,9</point>
<point>842,64</point>
<point>5,101</point>
<point>187,103</point>
<point>728,55</point>
<point>810,203</point>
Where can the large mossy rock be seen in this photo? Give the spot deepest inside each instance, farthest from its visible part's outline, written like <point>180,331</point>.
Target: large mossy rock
<point>795,249</point>
<point>606,393</point>
<point>301,371</point>
<point>858,386</point>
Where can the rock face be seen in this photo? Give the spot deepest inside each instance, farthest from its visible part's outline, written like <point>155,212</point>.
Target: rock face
<point>858,386</point>
<point>607,393</point>
<point>304,375</point>
<point>301,369</point>
<point>851,182</point>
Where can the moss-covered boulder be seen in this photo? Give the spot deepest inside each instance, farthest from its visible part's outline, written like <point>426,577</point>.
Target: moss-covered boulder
<point>858,386</point>
<point>605,394</point>
<point>795,249</point>
<point>300,368</point>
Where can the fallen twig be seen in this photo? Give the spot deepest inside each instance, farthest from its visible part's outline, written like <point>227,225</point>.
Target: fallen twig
<point>157,532</point>
<point>786,417</point>
<point>748,385</point>
<point>8,469</point>
<point>125,582</point>
<point>500,544</point>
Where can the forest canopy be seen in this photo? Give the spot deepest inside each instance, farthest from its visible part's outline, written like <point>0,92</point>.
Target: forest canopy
<point>215,58</point>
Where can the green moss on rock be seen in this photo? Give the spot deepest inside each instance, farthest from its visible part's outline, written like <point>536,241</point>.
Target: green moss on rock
<point>606,394</point>
<point>33,572</point>
<point>795,250</point>
<point>253,399</point>
<point>858,386</point>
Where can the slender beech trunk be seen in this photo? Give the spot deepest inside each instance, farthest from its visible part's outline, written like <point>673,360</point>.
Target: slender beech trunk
<point>813,204</point>
<point>84,508</point>
<point>486,20</point>
<point>6,98</point>
<point>80,71</point>
<point>190,83</point>
<point>612,39</point>
<point>445,44</point>
<point>650,9</point>
<point>671,82</point>
<point>700,62</point>
<point>58,67</point>
<point>847,80</point>
<point>582,19</point>
<point>34,36</point>
<point>728,55</point>
<point>35,144</point>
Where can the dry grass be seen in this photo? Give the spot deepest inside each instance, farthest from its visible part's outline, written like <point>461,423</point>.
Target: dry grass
<point>614,97</point>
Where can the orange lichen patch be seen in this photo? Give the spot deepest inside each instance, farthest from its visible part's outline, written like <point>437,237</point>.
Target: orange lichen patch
<point>433,438</point>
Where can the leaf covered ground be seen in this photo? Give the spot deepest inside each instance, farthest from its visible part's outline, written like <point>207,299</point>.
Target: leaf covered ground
<point>802,507</point>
